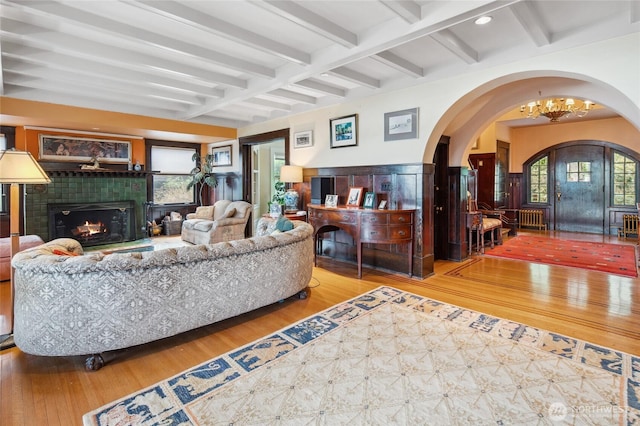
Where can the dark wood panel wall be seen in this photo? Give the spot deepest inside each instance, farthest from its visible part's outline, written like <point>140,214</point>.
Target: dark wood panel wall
<point>403,186</point>
<point>458,184</point>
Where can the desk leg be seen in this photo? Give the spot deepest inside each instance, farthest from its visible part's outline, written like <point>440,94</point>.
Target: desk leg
<point>359,255</point>
<point>410,259</point>
<point>315,250</point>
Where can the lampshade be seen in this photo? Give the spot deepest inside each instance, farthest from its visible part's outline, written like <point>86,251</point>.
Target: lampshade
<point>20,167</point>
<point>291,174</point>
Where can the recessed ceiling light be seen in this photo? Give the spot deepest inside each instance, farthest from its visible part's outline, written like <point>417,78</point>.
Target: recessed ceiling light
<point>483,20</point>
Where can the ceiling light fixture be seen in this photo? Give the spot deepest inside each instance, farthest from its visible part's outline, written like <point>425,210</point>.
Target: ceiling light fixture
<point>556,108</point>
<point>483,20</point>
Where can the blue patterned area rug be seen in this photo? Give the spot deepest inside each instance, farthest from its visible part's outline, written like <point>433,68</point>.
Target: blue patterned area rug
<point>392,357</point>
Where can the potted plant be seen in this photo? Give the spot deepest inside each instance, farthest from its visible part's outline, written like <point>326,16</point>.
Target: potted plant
<point>202,174</point>
<point>277,201</point>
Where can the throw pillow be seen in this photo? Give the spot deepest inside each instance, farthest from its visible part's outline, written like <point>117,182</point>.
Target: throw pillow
<point>61,252</point>
<point>229,213</point>
<point>204,212</point>
<point>283,224</point>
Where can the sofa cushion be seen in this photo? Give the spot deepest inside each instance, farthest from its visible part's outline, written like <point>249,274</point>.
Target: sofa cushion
<point>283,224</point>
<point>229,213</point>
<point>203,225</point>
<point>204,212</point>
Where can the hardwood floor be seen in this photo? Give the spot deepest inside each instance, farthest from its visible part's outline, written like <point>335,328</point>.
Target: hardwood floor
<point>594,306</point>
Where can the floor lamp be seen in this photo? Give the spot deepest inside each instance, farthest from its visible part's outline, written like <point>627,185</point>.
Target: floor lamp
<point>17,167</point>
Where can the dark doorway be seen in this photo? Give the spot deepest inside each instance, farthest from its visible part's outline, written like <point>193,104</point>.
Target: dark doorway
<point>501,196</point>
<point>440,201</point>
<point>579,189</point>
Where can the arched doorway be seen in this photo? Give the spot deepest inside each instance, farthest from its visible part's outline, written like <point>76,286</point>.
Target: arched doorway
<point>583,185</point>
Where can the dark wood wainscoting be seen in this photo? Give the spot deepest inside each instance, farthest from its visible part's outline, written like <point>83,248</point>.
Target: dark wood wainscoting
<point>403,186</point>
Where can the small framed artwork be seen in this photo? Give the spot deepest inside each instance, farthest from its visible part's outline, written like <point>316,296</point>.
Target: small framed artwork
<point>382,205</point>
<point>221,155</point>
<point>369,200</point>
<point>303,139</point>
<point>331,200</point>
<point>355,197</point>
<point>401,125</point>
<point>344,131</point>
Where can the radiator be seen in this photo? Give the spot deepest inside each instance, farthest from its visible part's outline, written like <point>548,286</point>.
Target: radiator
<point>629,225</point>
<point>533,218</point>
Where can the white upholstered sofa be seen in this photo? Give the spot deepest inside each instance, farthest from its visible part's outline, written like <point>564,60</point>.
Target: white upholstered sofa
<point>92,303</point>
<point>225,220</point>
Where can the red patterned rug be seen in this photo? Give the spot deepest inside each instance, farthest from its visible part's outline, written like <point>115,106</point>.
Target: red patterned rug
<point>611,258</point>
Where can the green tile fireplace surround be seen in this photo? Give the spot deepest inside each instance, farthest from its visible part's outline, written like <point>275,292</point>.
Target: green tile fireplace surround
<point>83,188</point>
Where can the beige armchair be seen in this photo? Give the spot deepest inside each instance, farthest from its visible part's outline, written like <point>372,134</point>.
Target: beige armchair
<point>224,221</point>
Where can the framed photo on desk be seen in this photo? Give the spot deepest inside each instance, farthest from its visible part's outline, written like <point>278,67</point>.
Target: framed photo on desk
<point>331,200</point>
<point>355,197</point>
<point>369,200</point>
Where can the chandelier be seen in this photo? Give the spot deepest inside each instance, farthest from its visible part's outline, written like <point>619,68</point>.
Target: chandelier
<point>554,109</point>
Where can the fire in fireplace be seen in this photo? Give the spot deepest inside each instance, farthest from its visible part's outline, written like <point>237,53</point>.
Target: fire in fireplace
<point>93,223</point>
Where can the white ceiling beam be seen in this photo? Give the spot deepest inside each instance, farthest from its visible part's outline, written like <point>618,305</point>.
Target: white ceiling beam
<point>124,88</point>
<point>309,20</point>
<point>23,59</point>
<point>321,87</point>
<point>634,11</point>
<point>294,96</point>
<point>30,64</point>
<point>394,61</point>
<point>99,52</point>
<point>72,89</point>
<point>356,77</point>
<point>1,70</point>
<point>455,45</point>
<point>532,23</point>
<point>81,100</point>
<point>384,36</point>
<point>264,103</point>
<point>213,25</point>
<point>98,23</point>
<point>408,10</point>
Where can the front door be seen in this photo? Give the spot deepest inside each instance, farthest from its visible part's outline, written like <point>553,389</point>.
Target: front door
<point>579,189</point>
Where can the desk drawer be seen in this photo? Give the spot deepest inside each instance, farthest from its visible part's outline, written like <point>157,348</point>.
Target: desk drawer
<point>400,218</point>
<point>333,216</point>
<point>374,218</point>
<point>369,233</point>
<point>400,232</point>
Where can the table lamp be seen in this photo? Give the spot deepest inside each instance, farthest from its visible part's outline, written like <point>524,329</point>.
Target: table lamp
<point>291,174</point>
<point>17,167</point>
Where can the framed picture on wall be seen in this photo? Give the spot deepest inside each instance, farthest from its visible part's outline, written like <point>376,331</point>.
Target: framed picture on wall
<point>344,131</point>
<point>401,124</point>
<point>77,149</point>
<point>355,196</point>
<point>221,155</point>
<point>303,139</point>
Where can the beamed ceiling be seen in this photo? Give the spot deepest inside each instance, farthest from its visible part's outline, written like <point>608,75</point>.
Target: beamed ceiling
<point>236,63</point>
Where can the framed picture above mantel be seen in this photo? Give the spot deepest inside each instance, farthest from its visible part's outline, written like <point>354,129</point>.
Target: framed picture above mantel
<point>78,149</point>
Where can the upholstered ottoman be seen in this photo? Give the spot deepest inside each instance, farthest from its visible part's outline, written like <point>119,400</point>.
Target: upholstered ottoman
<point>26,241</point>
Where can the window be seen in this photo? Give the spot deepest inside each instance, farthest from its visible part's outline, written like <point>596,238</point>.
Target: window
<point>173,165</point>
<point>579,171</point>
<point>539,182</point>
<point>624,180</point>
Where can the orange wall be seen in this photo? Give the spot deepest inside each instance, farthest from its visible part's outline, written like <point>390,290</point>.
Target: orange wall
<point>527,141</point>
<point>68,120</point>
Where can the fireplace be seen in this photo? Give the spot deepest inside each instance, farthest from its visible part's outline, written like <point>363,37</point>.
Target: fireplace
<point>93,223</point>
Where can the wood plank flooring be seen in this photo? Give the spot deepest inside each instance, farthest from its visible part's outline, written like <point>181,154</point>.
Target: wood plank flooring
<point>594,306</point>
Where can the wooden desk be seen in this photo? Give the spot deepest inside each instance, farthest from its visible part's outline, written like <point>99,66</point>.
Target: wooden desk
<point>365,226</point>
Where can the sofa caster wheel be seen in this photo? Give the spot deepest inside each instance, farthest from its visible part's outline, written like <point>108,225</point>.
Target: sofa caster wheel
<point>302,294</point>
<point>94,362</point>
